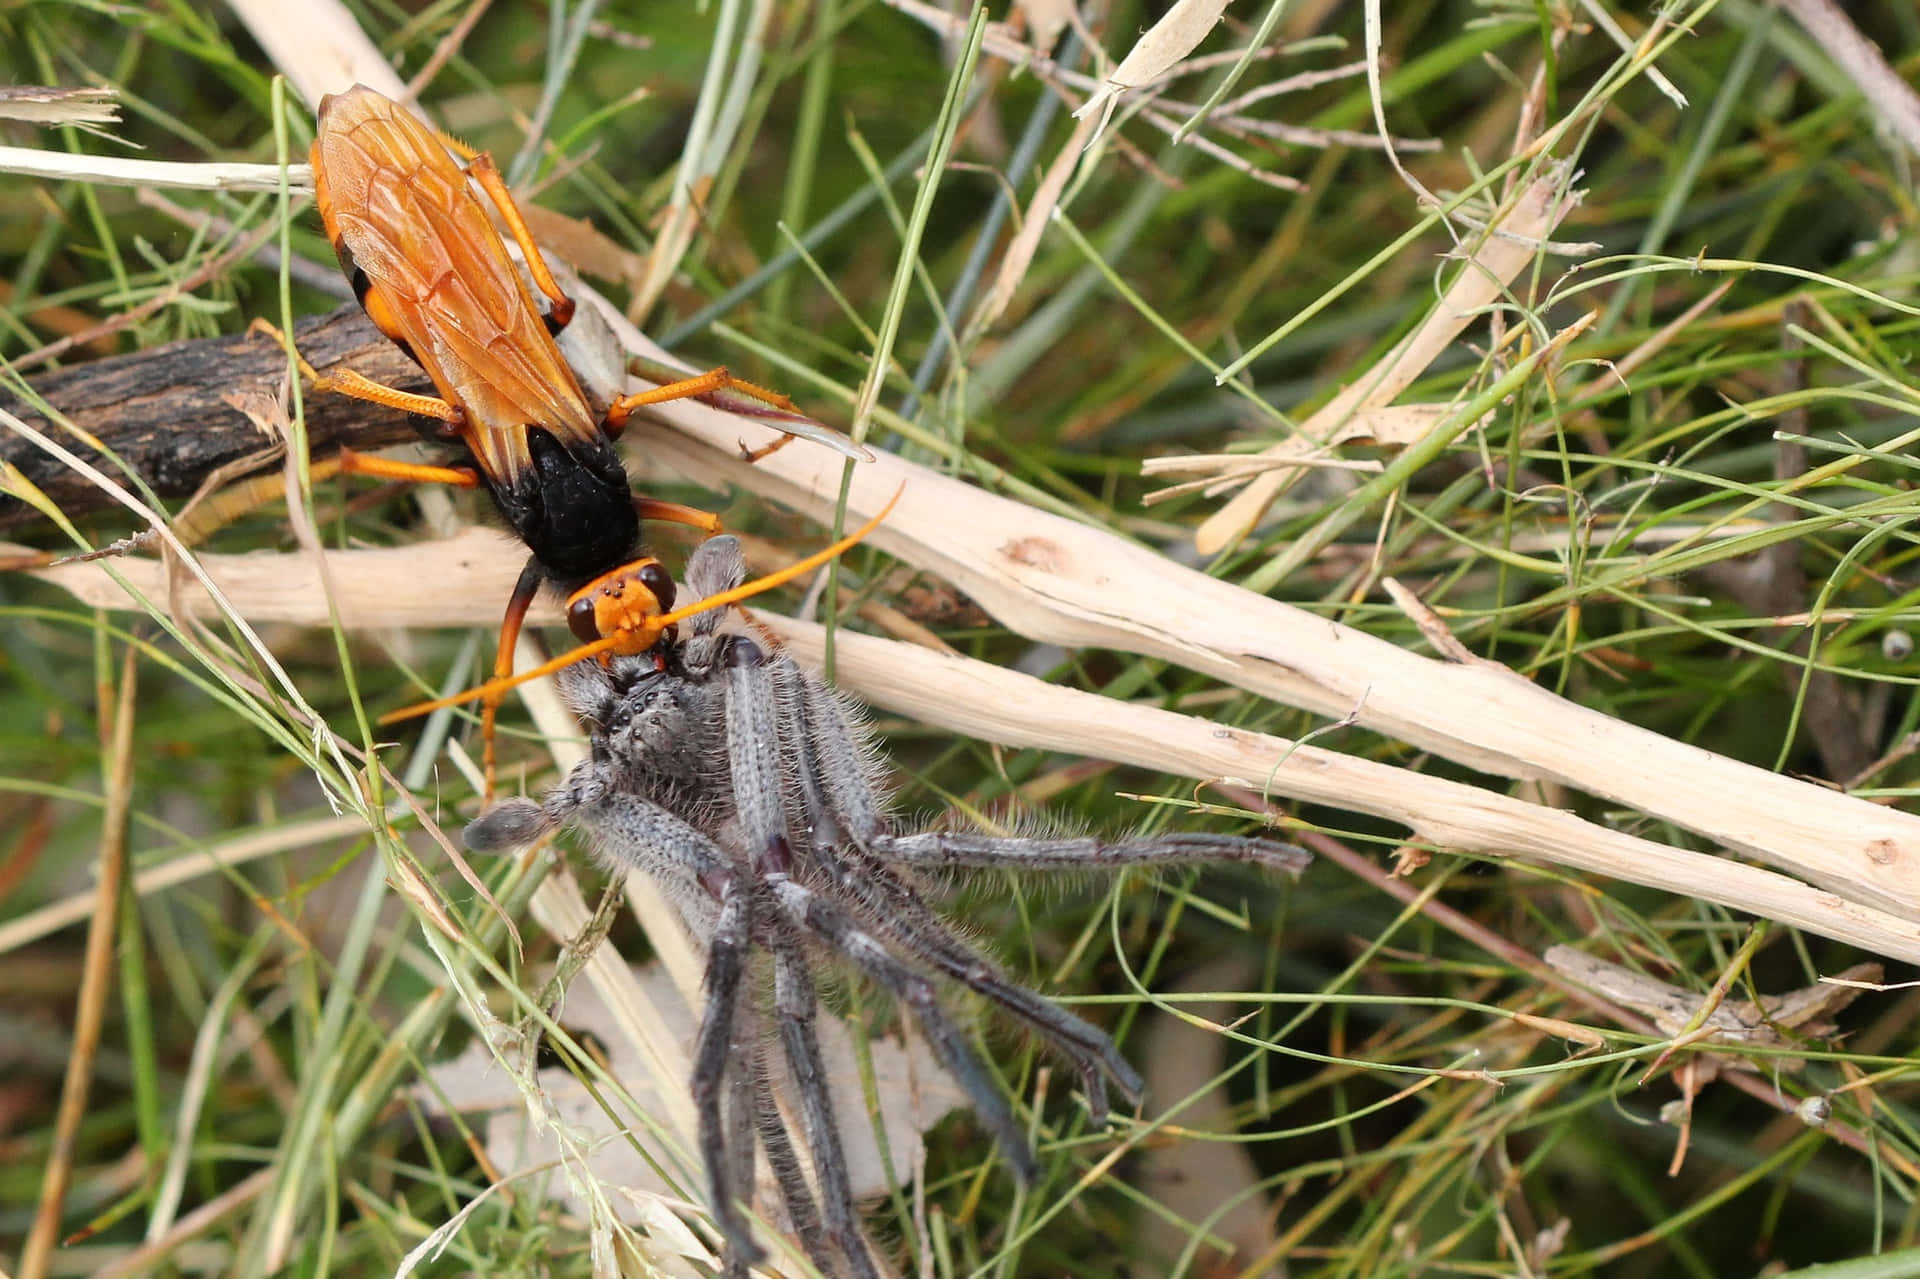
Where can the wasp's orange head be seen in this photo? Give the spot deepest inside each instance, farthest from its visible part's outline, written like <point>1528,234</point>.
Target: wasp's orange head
<point>626,604</point>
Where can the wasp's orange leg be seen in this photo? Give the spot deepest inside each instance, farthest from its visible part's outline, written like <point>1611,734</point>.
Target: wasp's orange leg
<point>693,388</point>
<point>766,450</point>
<point>267,328</point>
<point>361,387</point>
<point>767,396</point>
<point>386,468</point>
<point>761,402</point>
<point>522,599</point>
<point>482,169</point>
<point>674,513</point>
<point>211,510</point>
<point>455,145</point>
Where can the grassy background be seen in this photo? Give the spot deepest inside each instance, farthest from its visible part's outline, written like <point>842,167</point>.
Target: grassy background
<point>1548,539</point>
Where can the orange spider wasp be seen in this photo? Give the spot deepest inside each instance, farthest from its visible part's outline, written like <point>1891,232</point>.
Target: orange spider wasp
<point>433,275</point>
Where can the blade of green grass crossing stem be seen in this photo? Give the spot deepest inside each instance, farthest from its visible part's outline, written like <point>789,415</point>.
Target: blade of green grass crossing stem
<point>946,125</point>
<point>1376,490</point>
<point>819,233</point>
<point>988,237</point>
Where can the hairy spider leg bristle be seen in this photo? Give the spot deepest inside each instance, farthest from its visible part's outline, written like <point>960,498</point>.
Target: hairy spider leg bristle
<point>954,1050</point>
<point>842,789</point>
<point>796,1006</point>
<point>803,1212</point>
<point>508,825</point>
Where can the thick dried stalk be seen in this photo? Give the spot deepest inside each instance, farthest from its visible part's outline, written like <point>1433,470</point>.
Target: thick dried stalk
<point>461,581</point>
<point>1065,583</point>
<point>982,700</point>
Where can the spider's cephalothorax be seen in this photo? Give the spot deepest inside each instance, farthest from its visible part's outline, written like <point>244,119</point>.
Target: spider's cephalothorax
<point>750,790</point>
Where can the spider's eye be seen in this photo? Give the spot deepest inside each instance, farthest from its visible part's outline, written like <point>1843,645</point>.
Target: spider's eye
<point>582,621</point>
<point>656,579</point>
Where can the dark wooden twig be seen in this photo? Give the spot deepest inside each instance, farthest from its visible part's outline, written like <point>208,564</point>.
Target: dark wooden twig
<point>163,410</point>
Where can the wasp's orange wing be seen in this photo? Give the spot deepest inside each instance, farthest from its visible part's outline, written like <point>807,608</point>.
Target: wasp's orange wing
<point>439,279</point>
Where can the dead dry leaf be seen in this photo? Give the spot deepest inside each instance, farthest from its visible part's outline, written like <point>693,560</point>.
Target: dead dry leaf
<point>39,104</point>
<point>1178,33</point>
<point>1806,1012</point>
<point>1046,19</point>
<point>1019,255</point>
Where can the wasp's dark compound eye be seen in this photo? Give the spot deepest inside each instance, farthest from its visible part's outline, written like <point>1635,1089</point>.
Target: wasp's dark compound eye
<point>582,621</point>
<point>656,579</point>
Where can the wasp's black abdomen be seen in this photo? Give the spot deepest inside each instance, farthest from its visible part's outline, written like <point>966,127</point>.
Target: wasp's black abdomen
<point>573,509</point>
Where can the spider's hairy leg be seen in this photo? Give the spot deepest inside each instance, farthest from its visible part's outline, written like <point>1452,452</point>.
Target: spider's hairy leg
<point>714,567</point>
<point>716,896</point>
<point>781,718</point>
<point>716,1062</point>
<point>771,749</point>
<point>843,755</point>
<point>917,929</point>
<point>841,787</point>
<point>628,832</point>
<point>754,758</point>
<point>795,1006</point>
<point>784,1162</point>
<point>834,776</point>
<point>510,824</point>
<point>974,851</point>
<point>816,915</point>
<point>754,766</point>
<point>740,1124</point>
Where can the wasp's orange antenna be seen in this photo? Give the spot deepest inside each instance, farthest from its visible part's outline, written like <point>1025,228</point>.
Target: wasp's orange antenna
<point>780,576</point>
<point>656,625</point>
<point>494,687</point>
